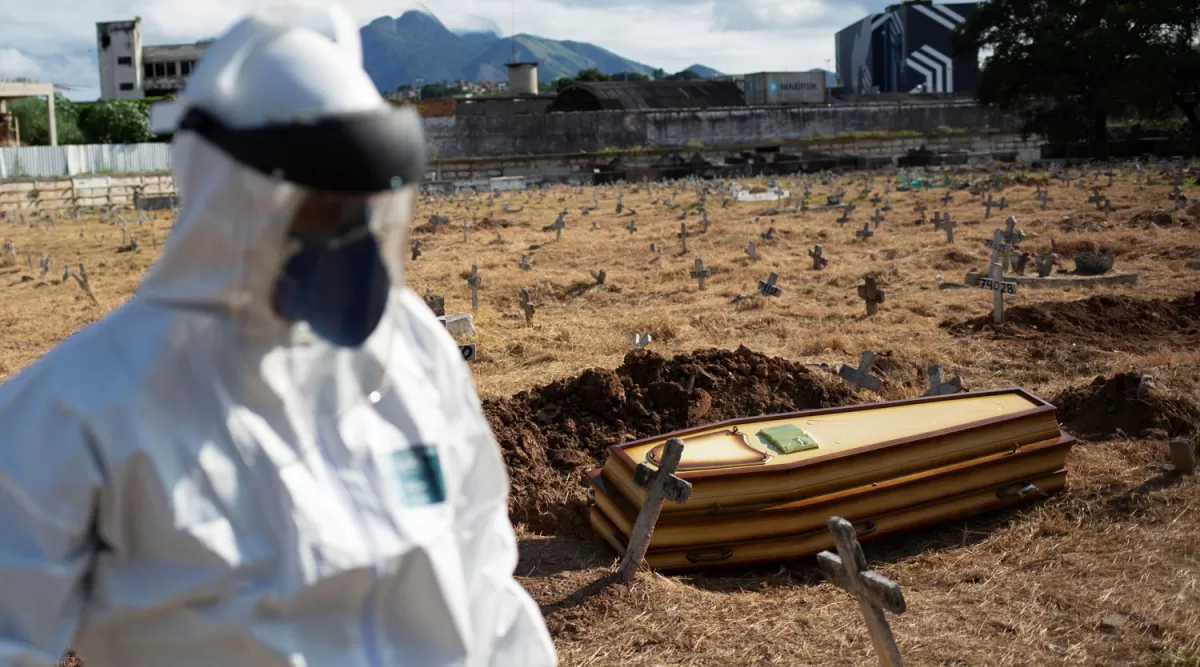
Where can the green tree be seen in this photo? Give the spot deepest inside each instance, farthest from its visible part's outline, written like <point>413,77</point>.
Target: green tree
<point>591,75</point>
<point>33,120</point>
<point>435,91</point>
<point>684,75</point>
<point>1167,77</point>
<point>116,122</point>
<point>1062,65</point>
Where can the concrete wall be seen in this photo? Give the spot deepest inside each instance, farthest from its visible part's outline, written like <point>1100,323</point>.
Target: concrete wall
<point>104,192</point>
<point>556,133</point>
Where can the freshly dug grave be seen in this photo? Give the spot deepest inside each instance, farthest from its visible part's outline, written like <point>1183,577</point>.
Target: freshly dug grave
<point>1119,322</point>
<point>550,434</point>
<point>1125,405</point>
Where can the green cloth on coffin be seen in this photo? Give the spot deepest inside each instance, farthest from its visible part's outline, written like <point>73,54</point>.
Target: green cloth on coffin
<point>788,438</point>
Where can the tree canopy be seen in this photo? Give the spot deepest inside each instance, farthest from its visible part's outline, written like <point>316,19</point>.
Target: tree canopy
<point>1070,66</point>
<point>112,122</point>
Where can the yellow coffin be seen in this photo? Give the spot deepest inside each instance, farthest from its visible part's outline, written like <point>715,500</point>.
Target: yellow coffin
<point>807,544</point>
<point>733,466</point>
<point>689,529</point>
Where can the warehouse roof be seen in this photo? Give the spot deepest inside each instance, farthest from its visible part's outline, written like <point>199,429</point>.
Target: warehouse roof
<point>642,95</point>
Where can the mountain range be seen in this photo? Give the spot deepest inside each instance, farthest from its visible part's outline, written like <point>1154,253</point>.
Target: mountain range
<point>416,47</point>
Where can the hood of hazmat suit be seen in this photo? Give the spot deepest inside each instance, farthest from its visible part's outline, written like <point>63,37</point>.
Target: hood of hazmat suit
<point>273,455</point>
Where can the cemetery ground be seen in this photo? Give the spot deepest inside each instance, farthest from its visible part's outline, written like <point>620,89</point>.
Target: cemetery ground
<point>1106,573</point>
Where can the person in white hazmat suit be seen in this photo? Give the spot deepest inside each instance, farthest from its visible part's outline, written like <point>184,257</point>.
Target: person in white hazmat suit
<point>273,455</point>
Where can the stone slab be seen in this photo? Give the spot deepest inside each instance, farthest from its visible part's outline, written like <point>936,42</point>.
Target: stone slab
<point>1035,282</point>
<point>459,325</point>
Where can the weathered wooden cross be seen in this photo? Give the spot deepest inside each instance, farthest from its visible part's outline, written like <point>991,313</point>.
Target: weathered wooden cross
<point>947,198</point>
<point>990,204</point>
<point>870,293</point>
<point>683,237</point>
<point>415,249</point>
<point>752,251</point>
<point>861,376</point>
<point>865,233</point>
<point>877,218</point>
<point>1043,196</point>
<point>875,593</point>
<point>995,279</point>
<point>818,257</point>
<point>845,217</point>
<point>939,386</point>
<point>527,305</point>
<point>768,287</point>
<point>947,225</point>
<point>473,282</point>
<point>661,485</point>
<point>921,208</point>
<point>632,226</point>
<point>701,274</point>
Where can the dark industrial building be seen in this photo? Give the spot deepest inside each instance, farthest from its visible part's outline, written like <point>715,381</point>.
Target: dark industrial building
<point>907,48</point>
<point>647,95</point>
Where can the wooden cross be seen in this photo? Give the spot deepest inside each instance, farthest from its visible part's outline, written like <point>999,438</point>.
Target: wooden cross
<point>818,258</point>
<point>847,569</point>
<point>946,198</point>
<point>887,205</point>
<point>921,208</point>
<point>683,236</point>
<point>877,218</point>
<point>1096,197</point>
<point>632,226</point>
<point>559,225</point>
<point>995,279</point>
<point>948,225</point>
<point>1105,206</point>
<point>466,227</point>
<point>845,217</point>
<point>526,305</point>
<point>1043,196</point>
<point>768,287</point>
<point>988,205</point>
<point>939,386</point>
<point>415,249</point>
<point>865,233</point>
<point>870,293</point>
<point>752,251</point>
<point>701,274</point>
<point>473,282</point>
<point>768,235</point>
<point>661,485</point>
<point>861,376</point>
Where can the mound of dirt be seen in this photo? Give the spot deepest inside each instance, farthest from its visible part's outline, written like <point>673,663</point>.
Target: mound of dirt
<point>550,434</point>
<point>1086,221</point>
<point>1125,405</point>
<point>1161,218</point>
<point>1105,321</point>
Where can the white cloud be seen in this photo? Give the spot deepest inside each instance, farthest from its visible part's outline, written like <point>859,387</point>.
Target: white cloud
<point>729,35</point>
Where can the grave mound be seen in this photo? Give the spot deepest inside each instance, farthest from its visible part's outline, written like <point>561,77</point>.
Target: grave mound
<point>1103,320</point>
<point>550,434</point>
<point>1125,405</point>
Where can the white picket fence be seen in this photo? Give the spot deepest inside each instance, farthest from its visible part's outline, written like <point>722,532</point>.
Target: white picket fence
<point>29,162</point>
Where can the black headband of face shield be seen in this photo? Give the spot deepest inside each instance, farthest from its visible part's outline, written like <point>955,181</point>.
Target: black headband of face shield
<point>352,153</point>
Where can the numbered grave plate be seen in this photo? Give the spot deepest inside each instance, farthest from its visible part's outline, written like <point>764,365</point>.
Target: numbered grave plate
<point>467,352</point>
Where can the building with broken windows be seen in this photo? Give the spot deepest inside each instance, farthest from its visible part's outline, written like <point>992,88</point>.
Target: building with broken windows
<point>130,71</point>
<point>907,48</point>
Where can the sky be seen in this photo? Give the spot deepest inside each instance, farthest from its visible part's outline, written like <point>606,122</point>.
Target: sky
<point>55,40</point>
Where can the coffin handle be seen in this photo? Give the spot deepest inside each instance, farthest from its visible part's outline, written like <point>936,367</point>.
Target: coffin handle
<point>710,555</point>
<point>1018,490</point>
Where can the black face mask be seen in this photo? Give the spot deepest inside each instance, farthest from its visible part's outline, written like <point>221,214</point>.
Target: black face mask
<point>339,285</point>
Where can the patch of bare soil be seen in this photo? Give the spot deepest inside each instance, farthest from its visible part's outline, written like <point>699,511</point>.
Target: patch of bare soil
<point>550,434</point>
<point>1108,322</point>
<point>1125,405</point>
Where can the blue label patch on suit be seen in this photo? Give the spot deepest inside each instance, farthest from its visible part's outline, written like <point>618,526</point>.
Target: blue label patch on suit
<point>418,474</point>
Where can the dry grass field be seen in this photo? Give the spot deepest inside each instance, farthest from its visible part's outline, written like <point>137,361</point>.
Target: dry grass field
<point>1024,587</point>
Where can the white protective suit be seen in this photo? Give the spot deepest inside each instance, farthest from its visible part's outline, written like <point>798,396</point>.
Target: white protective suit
<point>192,481</point>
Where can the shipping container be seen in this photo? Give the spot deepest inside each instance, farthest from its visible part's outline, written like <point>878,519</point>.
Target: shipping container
<point>785,88</point>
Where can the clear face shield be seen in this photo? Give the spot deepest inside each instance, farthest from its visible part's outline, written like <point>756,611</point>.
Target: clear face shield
<point>343,256</point>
